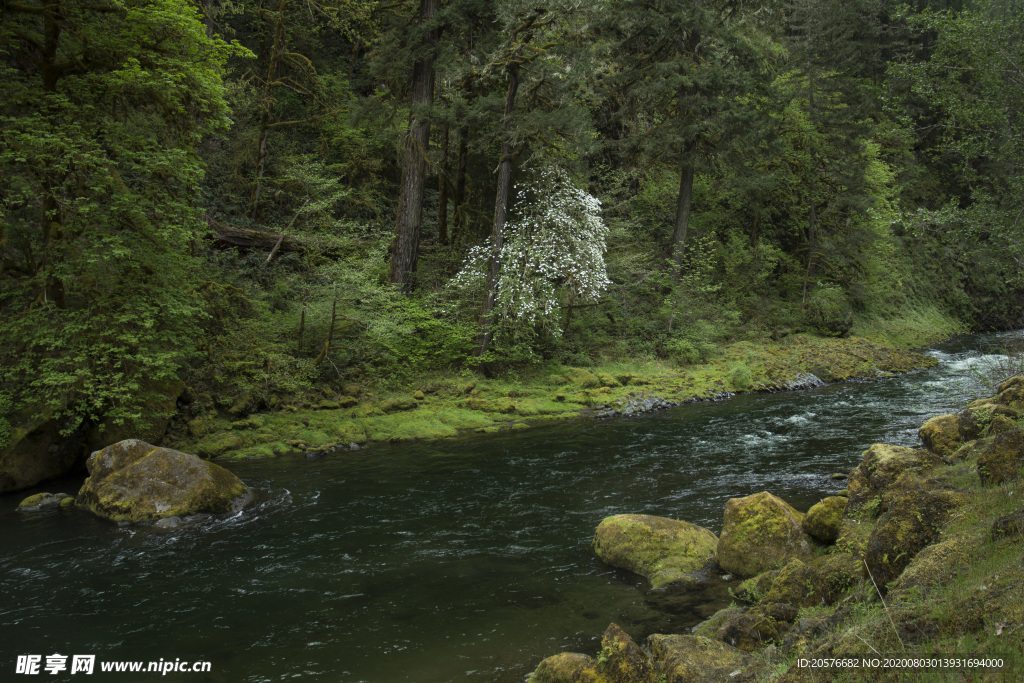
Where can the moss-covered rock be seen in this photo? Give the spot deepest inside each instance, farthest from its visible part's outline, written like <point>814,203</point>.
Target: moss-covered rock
<point>752,590</point>
<point>37,450</point>
<point>945,434</point>
<point>941,435</point>
<point>622,661</point>
<point>1000,424</point>
<point>216,445</point>
<point>133,481</point>
<point>692,659</point>
<point>761,532</point>
<point>821,581</point>
<point>880,466</point>
<point>662,550</point>
<point>565,667</point>
<point>1000,457</point>
<point>709,627</point>
<point>914,512</point>
<point>1008,526</point>
<point>825,517</point>
<point>401,403</point>
<point>936,565</point>
<point>42,501</point>
<point>758,626</point>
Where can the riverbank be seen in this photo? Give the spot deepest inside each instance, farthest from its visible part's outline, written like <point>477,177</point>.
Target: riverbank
<point>918,578</point>
<point>442,407</point>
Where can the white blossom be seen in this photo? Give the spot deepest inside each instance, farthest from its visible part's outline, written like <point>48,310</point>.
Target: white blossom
<point>556,246</point>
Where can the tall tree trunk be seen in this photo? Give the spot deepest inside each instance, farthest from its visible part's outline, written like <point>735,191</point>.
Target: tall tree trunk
<point>52,224</point>
<point>461,217</point>
<point>442,191</point>
<point>501,203</point>
<point>812,216</point>
<point>405,247</point>
<point>684,201</point>
<point>261,139</point>
<point>683,206</point>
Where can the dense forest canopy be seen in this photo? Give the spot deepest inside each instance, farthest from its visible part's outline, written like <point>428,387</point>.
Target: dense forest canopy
<point>269,197</point>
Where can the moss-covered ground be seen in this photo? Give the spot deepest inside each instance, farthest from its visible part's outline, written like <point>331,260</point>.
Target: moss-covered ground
<point>441,407</point>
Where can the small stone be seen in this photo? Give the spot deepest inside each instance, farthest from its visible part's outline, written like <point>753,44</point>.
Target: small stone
<point>42,501</point>
<point>418,395</point>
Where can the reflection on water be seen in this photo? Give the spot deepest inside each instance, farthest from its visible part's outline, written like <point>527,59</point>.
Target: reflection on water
<point>459,560</point>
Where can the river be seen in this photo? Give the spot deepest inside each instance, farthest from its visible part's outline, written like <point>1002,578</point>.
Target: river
<point>458,560</point>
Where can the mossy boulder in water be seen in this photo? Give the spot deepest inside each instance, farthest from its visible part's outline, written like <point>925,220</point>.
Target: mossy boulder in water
<point>761,532</point>
<point>133,481</point>
<point>42,501</point>
<point>881,465</point>
<point>693,659</point>
<point>825,517</point>
<point>662,550</point>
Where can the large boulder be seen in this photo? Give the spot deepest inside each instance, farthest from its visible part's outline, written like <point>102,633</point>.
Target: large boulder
<point>38,449</point>
<point>693,659</point>
<point>825,517</point>
<point>565,667</point>
<point>881,465</point>
<point>914,512</point>
<point>1000,457</point>
<point>945,434</point>
<point>821,581</point>
<point>662,550</point>
<point>754,628</point>
<point>133,481</point>
<point>761,532</point>
<point>620,661</point>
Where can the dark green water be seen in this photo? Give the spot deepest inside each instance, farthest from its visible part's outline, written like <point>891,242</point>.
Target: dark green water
<point>463,560</point>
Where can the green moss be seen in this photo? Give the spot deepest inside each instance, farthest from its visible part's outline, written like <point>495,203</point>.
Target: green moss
<point>218,444</point>
<point>761,532</point>
<point>663,550</point>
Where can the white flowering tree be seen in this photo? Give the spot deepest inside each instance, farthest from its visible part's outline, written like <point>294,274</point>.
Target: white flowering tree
<point>552,253</point>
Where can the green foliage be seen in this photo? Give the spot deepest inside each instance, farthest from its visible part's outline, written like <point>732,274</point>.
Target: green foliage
<point>828,310</point>
<point>99,141</point>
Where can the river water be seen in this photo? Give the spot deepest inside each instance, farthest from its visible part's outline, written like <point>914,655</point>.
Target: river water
<point>460,560</point>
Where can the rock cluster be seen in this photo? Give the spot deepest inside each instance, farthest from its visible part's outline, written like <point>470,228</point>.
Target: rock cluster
<point>803,574</point>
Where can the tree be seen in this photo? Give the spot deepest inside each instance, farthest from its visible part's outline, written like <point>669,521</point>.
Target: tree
<point>552,255</point>
<point>102,106</point>
<point>405,247</point>
<point>687,80</point>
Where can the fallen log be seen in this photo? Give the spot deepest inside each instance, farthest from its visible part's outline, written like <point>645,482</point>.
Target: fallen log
<point>225,236</point>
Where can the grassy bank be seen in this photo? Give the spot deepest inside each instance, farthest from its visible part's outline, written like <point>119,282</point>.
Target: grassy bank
<point>456,403</point>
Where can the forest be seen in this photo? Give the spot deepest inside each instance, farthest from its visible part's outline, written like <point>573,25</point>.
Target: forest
<point>268,200</point>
